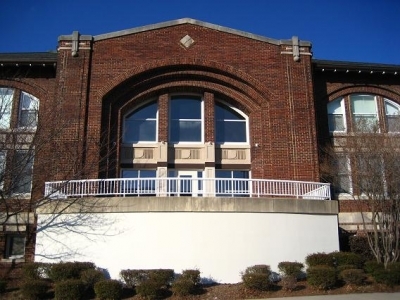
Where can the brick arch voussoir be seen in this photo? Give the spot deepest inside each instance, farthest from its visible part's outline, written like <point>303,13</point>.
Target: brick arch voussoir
<point>25,86</point>
<point>367,89</point>
<point>254,89</point>
<point>239,100</point>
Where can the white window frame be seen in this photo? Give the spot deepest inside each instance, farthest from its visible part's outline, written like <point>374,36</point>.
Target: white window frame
<point>21,109</point>
<point>353,115</point>
<point>343,114</point>
<point>150,119</point>
<point>391,102</point>
<point>201,119</point>
<point>246,120</point>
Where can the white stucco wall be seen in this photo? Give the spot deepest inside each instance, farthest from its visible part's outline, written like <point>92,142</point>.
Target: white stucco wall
<point>219,244</point>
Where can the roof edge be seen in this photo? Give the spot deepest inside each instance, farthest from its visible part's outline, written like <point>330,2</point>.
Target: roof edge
<point>333,64</point>
<point>199,23</point>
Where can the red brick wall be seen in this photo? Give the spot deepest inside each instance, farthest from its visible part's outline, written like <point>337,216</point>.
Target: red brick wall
<point>270,87</point>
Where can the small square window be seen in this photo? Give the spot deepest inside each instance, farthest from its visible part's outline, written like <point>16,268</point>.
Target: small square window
<point>15,246</point>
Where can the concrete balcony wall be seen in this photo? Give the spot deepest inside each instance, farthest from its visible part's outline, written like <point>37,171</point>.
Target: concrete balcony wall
<point>219,236</point>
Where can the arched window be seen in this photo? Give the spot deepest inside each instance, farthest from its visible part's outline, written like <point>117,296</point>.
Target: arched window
<point>141,124</point>
<point>363,112</point>
<point>392,111</point>
<point>28,110</point>
<point>185,119</point>
<point>230,125</point>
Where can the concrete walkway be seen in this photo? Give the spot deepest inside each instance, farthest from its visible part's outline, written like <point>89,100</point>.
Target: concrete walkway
<point>365,296</point>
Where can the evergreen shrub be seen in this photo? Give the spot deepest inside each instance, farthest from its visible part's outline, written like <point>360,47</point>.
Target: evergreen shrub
<point>319,259</point>
<point>34,289</point>
<point>288,268</point>
<point>289,282</point>
<point>348,258</point>
<point>257,277</point>
<point>321,277</point>
<point>69,289</point>
<point>68,270</point>
<point>353,276</point>
<point>183,287</point>
<point>149,289</point>
<point>91,276</point>
<point>108,289</point>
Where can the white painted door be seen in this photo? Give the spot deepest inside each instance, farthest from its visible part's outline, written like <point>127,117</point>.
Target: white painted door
<point>186,183</point>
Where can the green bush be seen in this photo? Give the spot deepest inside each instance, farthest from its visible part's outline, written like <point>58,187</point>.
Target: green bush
<point>289,282</point>
<point>91,276</point>
<point>319,259</point>
<point>359,245</point>
<point>263,269</point>
<point>70,289</point>
<point>133,278</point>
<point>341,268</point>
<point>149,289</point>
<point>389,276</point>
<point>34,289</point>
<point>257,277</point>
<point>163,276</point>
<point>348,258</point>
<point>288,268</point>
<point>3,286</point>
<point>353,276</point>
<point>371,266</point>
<point>322,277</point>
<point>183,287</point>
<point>108,289</point>
<point>193,275</point>
<point>68,270</point>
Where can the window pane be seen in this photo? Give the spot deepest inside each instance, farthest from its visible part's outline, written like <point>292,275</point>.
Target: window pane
<point>230,126</point>
<point>185,119</point>
<point>185,131</point>
<point>29,106</point>
<point>363,104</point>
<point>140,131</point>
<point>336,116</point>
<point>392,117</point>
<point>230,183</point>
<point>234,132</point>
<point>141,125</point>
<point>335,107</point>
<point>6,97</point>
<point>336,123</point>
<point>15,246</point>
<point>185,108</point>
<point>22,172</point>
<point>223,112</point>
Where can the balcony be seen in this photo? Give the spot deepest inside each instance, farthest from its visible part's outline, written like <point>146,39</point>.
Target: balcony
<point>193,187</point>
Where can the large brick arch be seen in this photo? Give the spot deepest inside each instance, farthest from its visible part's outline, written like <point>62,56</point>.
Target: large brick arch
<point>155,79</point>
<point>367,89</point>
<point>26,86</point>
<point>167,74</point>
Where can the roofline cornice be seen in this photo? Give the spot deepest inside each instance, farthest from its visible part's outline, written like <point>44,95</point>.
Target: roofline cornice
<point>360,67</point>
<point>199,23</point>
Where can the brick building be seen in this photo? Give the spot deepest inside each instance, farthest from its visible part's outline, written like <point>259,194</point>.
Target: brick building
<point>203,133</point>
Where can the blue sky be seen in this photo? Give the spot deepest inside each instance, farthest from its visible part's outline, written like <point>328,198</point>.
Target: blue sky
<point>348,30</point>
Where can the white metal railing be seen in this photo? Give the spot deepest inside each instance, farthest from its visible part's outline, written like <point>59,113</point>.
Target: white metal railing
<point>195,187</point>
